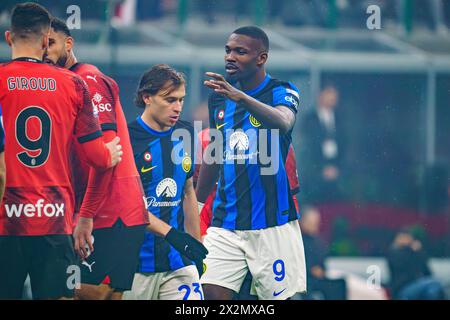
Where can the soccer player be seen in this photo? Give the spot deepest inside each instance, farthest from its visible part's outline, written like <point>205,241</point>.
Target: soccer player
<point>43,108</point>
<point>254,223</point>
<point>120,218</point>
<point>166,168</point>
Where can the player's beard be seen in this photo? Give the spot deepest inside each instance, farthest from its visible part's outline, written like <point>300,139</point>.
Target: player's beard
<point>61,62</point>
<point>231,78</point>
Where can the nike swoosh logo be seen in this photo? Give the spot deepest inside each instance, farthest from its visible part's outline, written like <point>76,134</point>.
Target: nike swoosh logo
<point>276,294</point>
<point>144,170</point>
<point>220,126</point>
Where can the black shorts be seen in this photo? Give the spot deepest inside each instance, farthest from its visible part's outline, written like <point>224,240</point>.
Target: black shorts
<point>116,254</point>
<point>48,260</point>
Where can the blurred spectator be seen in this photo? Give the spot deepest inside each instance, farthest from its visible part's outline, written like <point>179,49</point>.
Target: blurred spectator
<point>319,286</point>
<point>411,278</point>
<point>325,283</point>
<point>315,248</point>
<point>322,150</point>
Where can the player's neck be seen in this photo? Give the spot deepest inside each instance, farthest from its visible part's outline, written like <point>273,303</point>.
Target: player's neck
<point>254,82</point>
<point>71,61</point>
<point>152,123</point>
<point>28,52</point>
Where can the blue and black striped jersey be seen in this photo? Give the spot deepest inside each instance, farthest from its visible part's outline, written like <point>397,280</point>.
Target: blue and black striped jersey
<point>248,197</point>
<point>164,163</point>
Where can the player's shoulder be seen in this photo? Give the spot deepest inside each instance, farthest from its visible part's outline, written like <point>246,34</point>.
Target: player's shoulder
<point>4,65</point>
<point>215,99</point>
<point>134,127</point>
<point>183,124</point>
<point>277,83</point>
<point>92,73</point>
<point>63,75</point>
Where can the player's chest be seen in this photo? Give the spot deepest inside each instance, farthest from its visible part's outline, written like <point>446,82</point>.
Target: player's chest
<point>165,161</point>
<point>235,116</point>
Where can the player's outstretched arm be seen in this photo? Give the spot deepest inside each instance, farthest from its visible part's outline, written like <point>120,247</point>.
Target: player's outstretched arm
<point>281,117</point>
<point>190,208</point>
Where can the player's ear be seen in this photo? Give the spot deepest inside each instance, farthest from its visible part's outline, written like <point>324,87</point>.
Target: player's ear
<point>147,99</point>
<point>69,43</point>
<point>45,40</point>
<point>8,38</point>
<point>262,58</point>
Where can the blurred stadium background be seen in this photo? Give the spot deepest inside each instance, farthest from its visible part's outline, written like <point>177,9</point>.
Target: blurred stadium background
<point>393,86</point>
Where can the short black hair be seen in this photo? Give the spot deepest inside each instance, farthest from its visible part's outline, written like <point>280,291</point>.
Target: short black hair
<point>60,26</point>
<point>255,33</point>
<point>155,79</point>
<point>29,19</point>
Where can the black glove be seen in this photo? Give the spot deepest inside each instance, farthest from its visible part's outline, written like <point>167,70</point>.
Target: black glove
<point>187,245</point>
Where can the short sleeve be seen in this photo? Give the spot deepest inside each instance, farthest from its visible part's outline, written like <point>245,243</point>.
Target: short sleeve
<point>287,95</point>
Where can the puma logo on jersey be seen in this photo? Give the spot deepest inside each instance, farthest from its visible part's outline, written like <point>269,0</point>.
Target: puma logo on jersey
<point>88,265</point>
<point>35,210</point>
<point>92,78</point>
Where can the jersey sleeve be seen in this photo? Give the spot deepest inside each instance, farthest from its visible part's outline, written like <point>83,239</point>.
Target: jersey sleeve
<point>286,94</point>
<point>104,95</point>
<point>87,127</point>
<point>2,138</point>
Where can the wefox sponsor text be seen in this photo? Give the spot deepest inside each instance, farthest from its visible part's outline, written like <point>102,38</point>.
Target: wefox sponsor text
<point>39,209</point>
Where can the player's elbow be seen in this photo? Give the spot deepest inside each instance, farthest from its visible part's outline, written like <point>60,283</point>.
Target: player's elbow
<point>284,126</point>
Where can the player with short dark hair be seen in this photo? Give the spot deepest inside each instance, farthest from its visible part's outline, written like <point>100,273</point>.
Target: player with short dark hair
<point>118,220</point>
<point>163,150</point>
<point>43,108</point>
<point>254,225</point>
